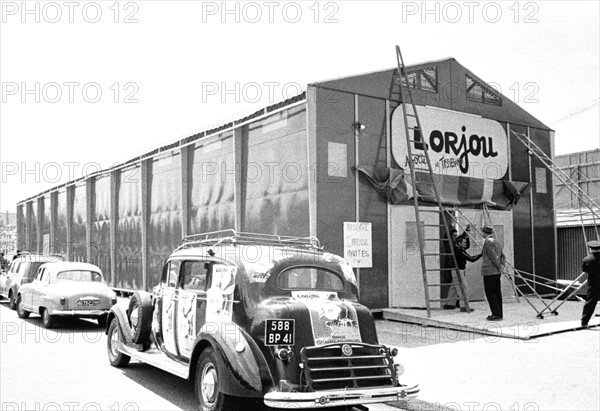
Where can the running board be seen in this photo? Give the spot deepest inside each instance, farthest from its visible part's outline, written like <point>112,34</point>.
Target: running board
<point>156,359</point>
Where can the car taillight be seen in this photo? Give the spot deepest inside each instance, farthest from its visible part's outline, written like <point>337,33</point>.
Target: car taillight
<point>63,300</point>
<point>114,300</point>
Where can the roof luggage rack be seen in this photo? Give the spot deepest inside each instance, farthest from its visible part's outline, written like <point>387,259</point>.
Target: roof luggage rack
<point>231,236</point>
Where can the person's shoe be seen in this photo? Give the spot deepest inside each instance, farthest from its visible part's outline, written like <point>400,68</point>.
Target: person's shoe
<point>494,318</point>
<point>448,307</point>
<point>584,324</point>
<point>464,310</point>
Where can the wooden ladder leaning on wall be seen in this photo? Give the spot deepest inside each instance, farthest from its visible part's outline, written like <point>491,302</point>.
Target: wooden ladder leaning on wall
<point>423,179</point>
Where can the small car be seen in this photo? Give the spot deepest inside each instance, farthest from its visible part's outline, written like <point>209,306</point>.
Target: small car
<point>258,320</point>
<point>22,271</point>
<point>66,289</point>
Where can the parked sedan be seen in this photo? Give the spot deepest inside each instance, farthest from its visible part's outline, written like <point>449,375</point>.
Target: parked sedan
<point>66,289</point>
<point>22,271</point>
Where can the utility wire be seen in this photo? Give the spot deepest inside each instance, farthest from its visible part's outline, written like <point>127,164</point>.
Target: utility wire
<point>579,111</point>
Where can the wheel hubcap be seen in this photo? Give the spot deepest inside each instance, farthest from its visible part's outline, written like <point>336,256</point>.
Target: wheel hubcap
<point>134,316</point>
<point>209,384</point>
<point>114,343</point>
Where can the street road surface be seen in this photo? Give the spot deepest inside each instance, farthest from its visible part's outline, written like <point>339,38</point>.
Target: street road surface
<point>67,369</point>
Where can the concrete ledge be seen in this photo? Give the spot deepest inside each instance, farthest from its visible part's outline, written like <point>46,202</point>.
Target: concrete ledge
<point>520,319</point>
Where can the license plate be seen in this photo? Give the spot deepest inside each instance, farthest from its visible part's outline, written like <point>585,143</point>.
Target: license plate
<point>280,332</point>
<point>88,303</point>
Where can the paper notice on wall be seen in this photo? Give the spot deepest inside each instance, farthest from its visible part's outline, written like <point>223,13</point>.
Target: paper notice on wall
<point>358,245</point>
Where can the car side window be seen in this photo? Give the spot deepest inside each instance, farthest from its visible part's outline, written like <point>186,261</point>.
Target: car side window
<point>15,267</point>
<point>173,273</point>
<point>194,275</point>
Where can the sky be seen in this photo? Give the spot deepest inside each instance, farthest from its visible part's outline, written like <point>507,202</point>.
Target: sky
<point>88,84</point>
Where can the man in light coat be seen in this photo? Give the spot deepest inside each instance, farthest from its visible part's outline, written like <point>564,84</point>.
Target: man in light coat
<point>493,259</point>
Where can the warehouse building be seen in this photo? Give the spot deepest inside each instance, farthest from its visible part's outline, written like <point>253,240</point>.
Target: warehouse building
<point>576,223</point>
<point>325,163</point>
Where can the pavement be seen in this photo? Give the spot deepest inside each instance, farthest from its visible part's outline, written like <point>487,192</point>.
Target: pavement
<point>470,371</point>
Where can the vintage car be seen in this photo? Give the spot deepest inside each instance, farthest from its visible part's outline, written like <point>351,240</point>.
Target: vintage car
<point>260,319</point>
<point>22,271</point>
<point>66,289</point>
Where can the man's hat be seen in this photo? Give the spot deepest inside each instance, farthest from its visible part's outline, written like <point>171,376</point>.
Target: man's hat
<point>487,229</point>
<point>594,245</point>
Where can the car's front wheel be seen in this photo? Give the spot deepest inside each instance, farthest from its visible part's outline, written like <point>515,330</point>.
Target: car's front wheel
<point>207,385</point>
<point>21,312</point>
<point>116,358</point>
<point>48,320</point>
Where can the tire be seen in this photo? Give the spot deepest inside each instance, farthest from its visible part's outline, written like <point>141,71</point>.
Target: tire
<point>140,316</point>
<point>206,386</point>
<point>48,320</point>
<point>102,320</point>
<point>21,312</point>
<point>12,304</point>
<point>116,358</point>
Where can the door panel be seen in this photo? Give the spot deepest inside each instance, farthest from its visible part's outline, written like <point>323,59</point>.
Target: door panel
<point>169,307</point>
<point>33,298</point>
<point>191,305</point>
<point>407,277</point>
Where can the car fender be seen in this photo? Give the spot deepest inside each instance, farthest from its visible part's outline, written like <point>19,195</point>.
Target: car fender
<point>242,374</point>
<point>119,311</point>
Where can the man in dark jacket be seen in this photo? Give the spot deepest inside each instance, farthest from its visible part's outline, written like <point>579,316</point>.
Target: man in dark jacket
<point>591,265</point>
<point>455,291</point>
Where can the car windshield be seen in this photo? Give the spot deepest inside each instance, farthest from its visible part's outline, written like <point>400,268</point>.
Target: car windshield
<point>309,278</point>
<point>79,275</point>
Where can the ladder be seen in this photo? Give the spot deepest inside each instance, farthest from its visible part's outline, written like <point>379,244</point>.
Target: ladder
<point>563,177</point>
<point>424,177</point>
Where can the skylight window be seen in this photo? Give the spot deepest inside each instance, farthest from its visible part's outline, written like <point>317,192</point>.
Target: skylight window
<point>423,79</point>
<point>479,93</point>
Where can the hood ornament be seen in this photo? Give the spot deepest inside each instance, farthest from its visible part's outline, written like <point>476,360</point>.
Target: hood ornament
<point>347,350</point>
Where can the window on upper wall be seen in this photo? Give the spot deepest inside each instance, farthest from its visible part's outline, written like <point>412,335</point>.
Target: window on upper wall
<point>479,93</point>
<point>423,79</point>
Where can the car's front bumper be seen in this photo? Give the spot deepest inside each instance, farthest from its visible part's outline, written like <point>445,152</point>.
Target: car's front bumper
<point>79,313</point>
<point>337,398</point>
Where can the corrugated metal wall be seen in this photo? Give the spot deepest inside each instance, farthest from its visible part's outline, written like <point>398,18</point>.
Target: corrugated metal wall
<point>128,220</point>
<point>572,250</point>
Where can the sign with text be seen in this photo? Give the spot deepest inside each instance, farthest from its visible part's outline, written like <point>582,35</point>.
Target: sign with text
<point>358,245</point>
<point>458,144</point>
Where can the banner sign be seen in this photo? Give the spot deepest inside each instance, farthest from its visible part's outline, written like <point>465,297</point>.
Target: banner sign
<point>358,245</point>
<point>458,144</point>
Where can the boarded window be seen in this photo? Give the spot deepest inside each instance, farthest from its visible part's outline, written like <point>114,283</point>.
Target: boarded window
<point>541,185</point>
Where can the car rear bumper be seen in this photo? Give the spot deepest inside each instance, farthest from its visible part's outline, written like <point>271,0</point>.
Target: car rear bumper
<point>336,398</point>
<point>80,313</point>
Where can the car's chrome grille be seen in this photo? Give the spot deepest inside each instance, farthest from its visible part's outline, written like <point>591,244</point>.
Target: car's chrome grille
<point>327,367</point>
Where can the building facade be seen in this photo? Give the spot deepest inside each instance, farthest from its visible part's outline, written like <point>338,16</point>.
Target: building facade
<point>576,223</point>
<point>293,169</point>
